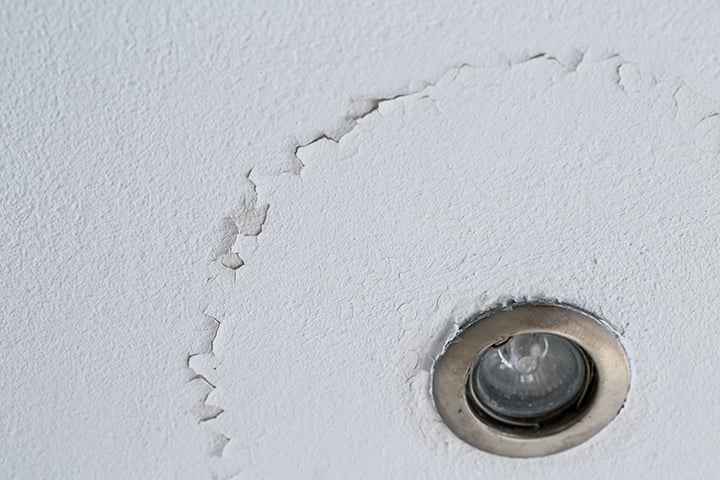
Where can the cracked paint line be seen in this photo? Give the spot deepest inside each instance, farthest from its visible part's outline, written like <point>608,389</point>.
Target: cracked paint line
<point>554,176</point>
<point>569,61</point>
<point>244,224</point>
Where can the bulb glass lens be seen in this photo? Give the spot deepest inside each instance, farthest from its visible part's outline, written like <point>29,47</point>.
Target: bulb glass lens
<point>529,377</point>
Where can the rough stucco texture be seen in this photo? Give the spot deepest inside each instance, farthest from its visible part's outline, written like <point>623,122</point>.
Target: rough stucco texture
<point>188,294</point>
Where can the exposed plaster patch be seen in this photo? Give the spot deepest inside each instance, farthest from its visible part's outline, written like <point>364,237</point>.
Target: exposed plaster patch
<point>205,412</point>
<point>217,445</point>
<point>249,220</point>
<point>231,260</point>
<point>246,221</point>
<point>361,107</point>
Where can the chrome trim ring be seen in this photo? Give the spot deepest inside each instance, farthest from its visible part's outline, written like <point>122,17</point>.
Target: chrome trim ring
<point>600,404</point>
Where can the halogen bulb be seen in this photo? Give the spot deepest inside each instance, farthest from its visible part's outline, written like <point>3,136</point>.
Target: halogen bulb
<point>530,377</point>
<point>524,352</point>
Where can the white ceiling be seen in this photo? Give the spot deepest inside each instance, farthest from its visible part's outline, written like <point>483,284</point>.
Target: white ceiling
<point>129,130</point>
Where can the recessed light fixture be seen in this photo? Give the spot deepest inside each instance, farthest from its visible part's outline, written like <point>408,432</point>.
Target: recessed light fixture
<point>530,379</point>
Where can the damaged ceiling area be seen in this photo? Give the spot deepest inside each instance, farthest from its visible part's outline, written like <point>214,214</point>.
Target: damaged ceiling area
<point>238,236</point>
<point>529,181</point>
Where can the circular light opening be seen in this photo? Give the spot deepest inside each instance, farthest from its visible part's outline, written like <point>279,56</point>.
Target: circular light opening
<point>530,378</point>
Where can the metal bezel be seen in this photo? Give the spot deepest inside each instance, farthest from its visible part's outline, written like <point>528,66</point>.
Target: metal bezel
<point>601,405</point>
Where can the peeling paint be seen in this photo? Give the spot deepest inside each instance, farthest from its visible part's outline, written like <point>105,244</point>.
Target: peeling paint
<point>247,221</point>
<point>218,444</point>
<point>412,318</point>
<point>128,129</point>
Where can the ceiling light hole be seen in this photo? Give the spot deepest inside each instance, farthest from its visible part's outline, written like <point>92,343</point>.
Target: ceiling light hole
<point>530,379</point>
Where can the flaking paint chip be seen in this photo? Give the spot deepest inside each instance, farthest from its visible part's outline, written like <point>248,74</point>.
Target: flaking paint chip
<point>231,260</point>
<point>249,220</point>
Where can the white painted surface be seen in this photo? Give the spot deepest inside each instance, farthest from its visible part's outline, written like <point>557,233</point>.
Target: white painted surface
<point>127,131</point>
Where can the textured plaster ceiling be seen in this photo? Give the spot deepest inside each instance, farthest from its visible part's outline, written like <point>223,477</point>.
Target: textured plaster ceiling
<point>128,131</point>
